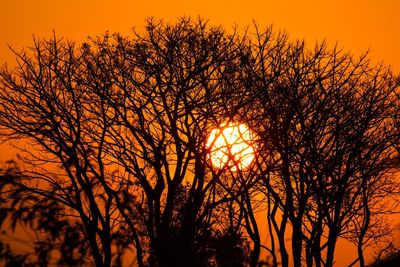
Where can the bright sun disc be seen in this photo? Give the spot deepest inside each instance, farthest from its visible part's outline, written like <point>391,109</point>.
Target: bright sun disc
<point>231,147</point>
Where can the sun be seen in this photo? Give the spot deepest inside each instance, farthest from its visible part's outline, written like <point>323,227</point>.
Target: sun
<point>231,147</point>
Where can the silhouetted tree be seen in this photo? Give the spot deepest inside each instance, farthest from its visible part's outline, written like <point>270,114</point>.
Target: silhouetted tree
<point>326,122</point>
<point>117,127</point>
<point>116,163</point>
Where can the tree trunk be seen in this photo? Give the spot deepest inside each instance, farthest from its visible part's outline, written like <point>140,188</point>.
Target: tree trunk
<point>281,240</point>
<point>332,237</point>
<point>297,243</point>
<point>271,234</point>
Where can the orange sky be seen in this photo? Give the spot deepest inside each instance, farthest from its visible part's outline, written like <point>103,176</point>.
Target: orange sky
<point>357,25</point>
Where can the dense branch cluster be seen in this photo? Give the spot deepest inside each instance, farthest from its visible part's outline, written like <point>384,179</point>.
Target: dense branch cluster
<point>116,165</point>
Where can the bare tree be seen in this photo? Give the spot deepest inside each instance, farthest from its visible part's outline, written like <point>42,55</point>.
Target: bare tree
<point>118,127</point>
<point>116,160</point>
<point>326,121</point>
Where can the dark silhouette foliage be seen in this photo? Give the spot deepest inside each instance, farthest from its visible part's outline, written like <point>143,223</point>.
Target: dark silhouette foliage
<point>391,260</point>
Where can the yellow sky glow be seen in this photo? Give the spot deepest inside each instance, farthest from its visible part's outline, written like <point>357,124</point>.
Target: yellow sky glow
<point>231,147</point>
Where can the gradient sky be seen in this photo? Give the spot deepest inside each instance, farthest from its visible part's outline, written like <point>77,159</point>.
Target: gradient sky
<point>356,25</point>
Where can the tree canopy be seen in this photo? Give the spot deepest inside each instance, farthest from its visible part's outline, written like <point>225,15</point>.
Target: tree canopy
<point>116,162</point>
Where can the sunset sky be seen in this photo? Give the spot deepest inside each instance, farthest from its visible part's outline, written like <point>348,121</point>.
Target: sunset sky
<point>356,25</point>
